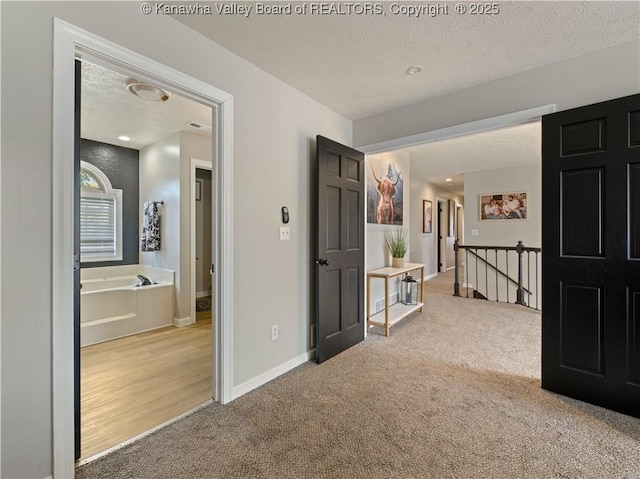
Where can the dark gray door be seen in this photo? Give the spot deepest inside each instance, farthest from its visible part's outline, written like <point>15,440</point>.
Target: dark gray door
<point>591,254</point>
<point>76,266</point>
<point>340,248</point>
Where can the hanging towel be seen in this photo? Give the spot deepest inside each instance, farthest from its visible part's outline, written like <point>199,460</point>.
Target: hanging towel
<point>150,240</point>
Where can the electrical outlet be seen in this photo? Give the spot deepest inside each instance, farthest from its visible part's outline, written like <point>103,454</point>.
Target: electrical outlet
<point>274,332</point>
<point>285,233</point>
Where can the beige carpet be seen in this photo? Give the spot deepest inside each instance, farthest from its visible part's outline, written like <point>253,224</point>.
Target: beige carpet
<point>452,393</point>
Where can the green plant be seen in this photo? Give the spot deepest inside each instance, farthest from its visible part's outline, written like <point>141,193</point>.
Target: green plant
<point>397,242</point>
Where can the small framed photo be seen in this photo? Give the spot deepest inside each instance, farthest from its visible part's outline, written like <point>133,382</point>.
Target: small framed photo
<point>427,215</point>
<point>198,190</point>
<point>503,206</point>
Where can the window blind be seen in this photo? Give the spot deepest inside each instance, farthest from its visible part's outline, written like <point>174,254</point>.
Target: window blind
<point>97,226</point>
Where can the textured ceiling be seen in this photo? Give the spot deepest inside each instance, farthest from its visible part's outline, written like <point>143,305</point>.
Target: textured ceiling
<point>356,64</point>
<point>503,148</point>
<point>109,111</point>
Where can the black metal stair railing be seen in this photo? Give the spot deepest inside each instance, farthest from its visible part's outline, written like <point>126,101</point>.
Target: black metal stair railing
<point>526,295</point>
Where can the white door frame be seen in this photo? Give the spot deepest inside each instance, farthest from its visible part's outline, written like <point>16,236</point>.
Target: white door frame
<point>443,232</point>
<point>71,42</point>
<point>193,166</point>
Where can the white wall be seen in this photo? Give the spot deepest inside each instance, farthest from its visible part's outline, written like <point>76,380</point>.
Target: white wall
<point>201,148</point>
<point>504,233</point>
<point>424,246</point>
<point>160,181</point>
<point>610,73</point>
<point>274,140</point>
<point>376,252</point>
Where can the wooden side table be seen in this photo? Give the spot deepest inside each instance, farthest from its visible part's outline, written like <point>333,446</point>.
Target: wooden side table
<point>390,315</point>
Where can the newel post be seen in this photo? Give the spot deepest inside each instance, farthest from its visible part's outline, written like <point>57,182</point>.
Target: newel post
<point>520,293</point>
<point>456,284</point>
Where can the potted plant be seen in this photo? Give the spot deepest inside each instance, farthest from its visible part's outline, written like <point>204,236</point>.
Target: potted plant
<point>397,243</point>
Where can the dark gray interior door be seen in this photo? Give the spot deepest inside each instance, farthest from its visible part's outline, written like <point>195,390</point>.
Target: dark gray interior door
<point>591,254</point>
<point>340,248</point>
<point>76,267</point>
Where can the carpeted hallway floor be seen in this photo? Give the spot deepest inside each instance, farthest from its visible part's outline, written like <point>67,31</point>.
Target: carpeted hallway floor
<point>452,393</point>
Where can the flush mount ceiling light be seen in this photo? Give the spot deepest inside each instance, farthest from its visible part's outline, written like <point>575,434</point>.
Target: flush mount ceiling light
<point>448,180</point>
<point>124,138</point>
<point>414,70</point>
<point>146,91</point>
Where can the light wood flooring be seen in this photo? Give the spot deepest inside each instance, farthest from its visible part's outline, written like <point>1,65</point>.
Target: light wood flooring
<point>130,385</point>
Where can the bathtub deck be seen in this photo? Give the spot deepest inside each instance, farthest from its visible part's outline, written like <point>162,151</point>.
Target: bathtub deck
<point>133,384</point>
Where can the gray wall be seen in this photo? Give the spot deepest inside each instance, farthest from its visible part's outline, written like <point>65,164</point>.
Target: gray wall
<point>273,142</point>
<point>424,246</point>
<point>121,167</point>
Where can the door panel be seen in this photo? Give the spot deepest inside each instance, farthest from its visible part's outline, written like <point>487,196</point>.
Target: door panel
<point>582,227</point>
<point>584,137</point>
<point>591,253</point>
<point>633,355</point>
<point>339,248</point>
<point>354,286</point>
<point>634,211</point>
<point>582,327</point>
<point>354,209</point>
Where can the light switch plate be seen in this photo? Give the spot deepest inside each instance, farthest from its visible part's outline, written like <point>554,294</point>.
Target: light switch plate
<point>285,233</point>
<point>474,232</point>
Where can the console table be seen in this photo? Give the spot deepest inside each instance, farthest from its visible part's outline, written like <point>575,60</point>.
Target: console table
<point>390,315</point>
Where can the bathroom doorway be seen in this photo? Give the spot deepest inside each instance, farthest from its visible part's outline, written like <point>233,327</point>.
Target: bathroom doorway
<point>74,43</point>
<point>138,336</point>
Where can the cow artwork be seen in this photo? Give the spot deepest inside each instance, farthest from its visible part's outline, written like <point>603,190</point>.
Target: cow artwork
<point>385,195</point>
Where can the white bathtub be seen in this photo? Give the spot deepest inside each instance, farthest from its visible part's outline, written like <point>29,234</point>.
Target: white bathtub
<point>112,306</point>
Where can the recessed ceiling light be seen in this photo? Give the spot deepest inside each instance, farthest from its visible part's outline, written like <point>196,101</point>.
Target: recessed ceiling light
<point>448,180</point>
<point>146,91</point>
<point>414,70</point>
<point>124,138</point>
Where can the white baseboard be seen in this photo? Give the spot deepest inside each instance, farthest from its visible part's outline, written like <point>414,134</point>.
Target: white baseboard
<point>178,322</point>
<point>430,276</point>
<point>203,294</point>
<point>270,375</point>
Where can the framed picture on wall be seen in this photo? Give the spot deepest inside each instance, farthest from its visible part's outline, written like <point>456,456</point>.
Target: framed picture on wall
<point>503,206</point>
<point>385,191</point>
<point>426,216</point>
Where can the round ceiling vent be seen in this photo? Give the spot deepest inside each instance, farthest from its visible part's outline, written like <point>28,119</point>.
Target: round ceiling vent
<point>146,91</point>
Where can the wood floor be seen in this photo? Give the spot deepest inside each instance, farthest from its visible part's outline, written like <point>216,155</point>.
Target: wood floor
<point>133,384</point>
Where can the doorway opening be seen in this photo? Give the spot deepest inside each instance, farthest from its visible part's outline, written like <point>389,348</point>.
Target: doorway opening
<point>202,267</point>
<point>137,332</point>
<point>72,43</point>
<point>442,233</point>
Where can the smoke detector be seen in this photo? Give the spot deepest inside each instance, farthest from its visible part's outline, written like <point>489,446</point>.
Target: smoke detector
<point>146,91</point>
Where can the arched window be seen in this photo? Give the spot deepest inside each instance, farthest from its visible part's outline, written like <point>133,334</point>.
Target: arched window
<point>100,216</point>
